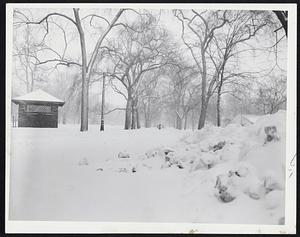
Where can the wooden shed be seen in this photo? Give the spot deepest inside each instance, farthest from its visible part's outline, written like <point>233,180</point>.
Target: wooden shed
<point>38,109</point>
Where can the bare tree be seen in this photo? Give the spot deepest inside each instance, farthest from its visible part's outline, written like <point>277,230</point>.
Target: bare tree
<point>149,96</point>
<point>202,25</point>
<point>86,64</point>
<point>212,50</point>
<point>183,92</point>
<point>283,18</point>
<point>241,27</point>
<point>271,95</point>
<point>140,49</point>
<point>66,87</point>
<point>26,67</point>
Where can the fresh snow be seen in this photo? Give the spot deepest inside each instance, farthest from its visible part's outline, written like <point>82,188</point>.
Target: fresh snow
<point>149,175</point>
<point>250,118</point>
<point>38,95</point>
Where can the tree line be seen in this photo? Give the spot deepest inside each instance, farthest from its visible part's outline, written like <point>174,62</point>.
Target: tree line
<point>140,60</point>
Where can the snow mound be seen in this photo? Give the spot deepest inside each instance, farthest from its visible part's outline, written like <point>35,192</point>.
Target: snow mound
<point>233,164</point>
<point>244,163</point>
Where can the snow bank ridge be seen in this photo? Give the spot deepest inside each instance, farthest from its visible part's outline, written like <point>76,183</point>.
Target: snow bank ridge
<point>240,160</point>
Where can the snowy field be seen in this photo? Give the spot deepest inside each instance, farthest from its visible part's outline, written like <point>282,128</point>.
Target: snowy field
<point>215,175</point>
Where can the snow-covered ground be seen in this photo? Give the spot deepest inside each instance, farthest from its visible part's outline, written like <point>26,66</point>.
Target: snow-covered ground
<point>215,175</point>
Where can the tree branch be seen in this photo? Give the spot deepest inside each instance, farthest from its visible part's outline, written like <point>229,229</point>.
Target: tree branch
<point>110,111</point>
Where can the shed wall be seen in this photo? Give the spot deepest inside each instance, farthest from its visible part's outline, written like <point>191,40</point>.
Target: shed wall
<point>46,119</point>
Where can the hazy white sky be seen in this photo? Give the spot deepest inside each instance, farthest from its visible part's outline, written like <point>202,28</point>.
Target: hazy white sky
<point>251,61</point>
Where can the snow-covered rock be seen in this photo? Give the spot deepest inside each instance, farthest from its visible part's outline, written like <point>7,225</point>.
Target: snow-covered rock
<point>274,199</point>
<point>83,161</point>
<point>123,155</point>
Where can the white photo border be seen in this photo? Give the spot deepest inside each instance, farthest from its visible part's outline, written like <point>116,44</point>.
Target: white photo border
<point>138,227</point>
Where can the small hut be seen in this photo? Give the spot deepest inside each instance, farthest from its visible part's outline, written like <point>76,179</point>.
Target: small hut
<point>38,109</point>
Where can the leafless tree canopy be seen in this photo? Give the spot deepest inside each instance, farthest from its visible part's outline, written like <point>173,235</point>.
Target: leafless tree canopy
<point>180,67</point>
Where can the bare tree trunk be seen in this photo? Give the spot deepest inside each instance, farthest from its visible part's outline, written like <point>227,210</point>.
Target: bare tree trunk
<point>203,91</point>
<point>136,111</point>
<point>145,115</point>
<point>102,105</point>
<point>138,122</point>
<point>149,116</point>
<point>148,122</point>
<point>32,82</point>
<point>193,122</point>
<point>85,82</point>
<point>271,111</point>
<point>64,117</point>
<point>133,115</point>
<point>219,97</point>
<point>26,78</point>
<point>178,122</point>
<point>128,115</point>
<point>282,17</point>
<point>202,115</point>
<point>185,121</point>
<point>218,107</point>
<point>128,112</point>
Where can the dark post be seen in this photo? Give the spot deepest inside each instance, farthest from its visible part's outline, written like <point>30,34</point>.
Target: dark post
<point>102,104</point>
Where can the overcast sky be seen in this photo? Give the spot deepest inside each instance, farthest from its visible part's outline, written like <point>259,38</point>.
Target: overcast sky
<point>55,40</point>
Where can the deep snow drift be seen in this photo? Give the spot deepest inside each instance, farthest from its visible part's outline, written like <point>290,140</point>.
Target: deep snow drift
<point>215,175</point>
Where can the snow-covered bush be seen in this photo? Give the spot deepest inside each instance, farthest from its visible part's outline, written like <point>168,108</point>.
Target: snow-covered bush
<point>205,160</point>
<point>271,134</point>
<point>232,162</point>
<point>123,155</point>
<point>83,161</point>
<point>240,181</point>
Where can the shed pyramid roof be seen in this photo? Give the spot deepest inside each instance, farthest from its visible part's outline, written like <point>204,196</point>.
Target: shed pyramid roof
<point>38,96</point>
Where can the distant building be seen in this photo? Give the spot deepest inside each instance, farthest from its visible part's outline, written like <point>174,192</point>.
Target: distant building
<point>38,109</point>
<point>245,119</point>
